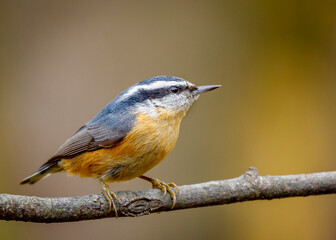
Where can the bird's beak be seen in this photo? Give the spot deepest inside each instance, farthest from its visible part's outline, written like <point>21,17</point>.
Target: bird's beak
<point>203,89</point>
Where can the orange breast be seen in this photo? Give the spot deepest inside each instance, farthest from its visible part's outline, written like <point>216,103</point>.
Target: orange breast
<point>149,142</point>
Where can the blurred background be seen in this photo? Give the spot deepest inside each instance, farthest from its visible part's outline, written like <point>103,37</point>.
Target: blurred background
<point>62,61</point>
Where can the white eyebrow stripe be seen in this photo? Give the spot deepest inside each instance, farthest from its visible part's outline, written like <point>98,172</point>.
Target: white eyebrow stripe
<point>151,86</point>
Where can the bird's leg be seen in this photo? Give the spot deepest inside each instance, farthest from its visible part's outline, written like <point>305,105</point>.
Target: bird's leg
<point>156,183</point>
<point>110,196</point>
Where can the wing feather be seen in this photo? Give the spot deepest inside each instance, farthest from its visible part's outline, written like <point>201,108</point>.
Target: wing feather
<point>105,133</point>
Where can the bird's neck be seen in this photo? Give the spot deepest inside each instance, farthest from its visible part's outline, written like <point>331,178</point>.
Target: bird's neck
<point>164,114</point>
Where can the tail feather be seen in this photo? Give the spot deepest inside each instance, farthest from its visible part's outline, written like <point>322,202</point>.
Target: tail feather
<point>44,171</point>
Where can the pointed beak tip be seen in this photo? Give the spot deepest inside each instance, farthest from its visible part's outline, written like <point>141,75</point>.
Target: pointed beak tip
<point>207,88</point>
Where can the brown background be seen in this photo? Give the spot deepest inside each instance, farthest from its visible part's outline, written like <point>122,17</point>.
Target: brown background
<point>62,61</point>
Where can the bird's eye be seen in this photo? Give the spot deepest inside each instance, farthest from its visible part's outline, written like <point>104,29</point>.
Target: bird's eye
<point>174,89</point>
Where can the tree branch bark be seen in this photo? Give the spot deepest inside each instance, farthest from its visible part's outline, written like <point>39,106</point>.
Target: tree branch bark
<point>249,186</point>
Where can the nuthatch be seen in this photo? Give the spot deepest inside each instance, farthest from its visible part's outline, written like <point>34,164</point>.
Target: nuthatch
<point>129,136</point>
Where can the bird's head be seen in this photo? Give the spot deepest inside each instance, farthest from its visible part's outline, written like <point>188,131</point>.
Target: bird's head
<point>163,93</point>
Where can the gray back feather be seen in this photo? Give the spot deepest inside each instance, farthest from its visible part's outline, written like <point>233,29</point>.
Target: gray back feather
<point>104,132</point>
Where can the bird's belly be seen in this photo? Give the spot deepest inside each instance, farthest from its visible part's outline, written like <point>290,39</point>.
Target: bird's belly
<point>147,144</point>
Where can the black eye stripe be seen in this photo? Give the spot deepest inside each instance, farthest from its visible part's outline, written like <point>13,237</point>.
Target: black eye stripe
<point>144,94</point>
<point>157,93</point>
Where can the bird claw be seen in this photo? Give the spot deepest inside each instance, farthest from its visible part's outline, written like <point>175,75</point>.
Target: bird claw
<point>166,187</point>
<point>110,197</point>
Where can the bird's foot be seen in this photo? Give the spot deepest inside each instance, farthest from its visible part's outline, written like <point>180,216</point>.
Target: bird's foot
<point>110,196</point>
<point>165,187</point>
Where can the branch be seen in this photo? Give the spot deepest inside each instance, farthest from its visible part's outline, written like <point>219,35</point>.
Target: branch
<point>249,186</point>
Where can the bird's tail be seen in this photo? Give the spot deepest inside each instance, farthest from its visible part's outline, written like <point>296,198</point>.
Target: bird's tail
<point>44,171</point>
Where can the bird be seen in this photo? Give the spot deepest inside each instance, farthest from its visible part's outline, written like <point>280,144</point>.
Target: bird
<point>128,137</point>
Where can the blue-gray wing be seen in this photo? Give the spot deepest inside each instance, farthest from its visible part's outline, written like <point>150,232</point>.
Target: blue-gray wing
<point>104,133</point>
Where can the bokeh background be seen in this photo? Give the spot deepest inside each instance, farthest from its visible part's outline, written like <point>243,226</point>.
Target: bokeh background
<point>62,61</point>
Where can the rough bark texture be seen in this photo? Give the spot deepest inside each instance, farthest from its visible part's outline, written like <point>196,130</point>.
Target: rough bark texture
<point>250,186</point>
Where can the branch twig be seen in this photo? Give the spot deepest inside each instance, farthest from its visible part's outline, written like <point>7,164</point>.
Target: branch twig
<point>249,186</point>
